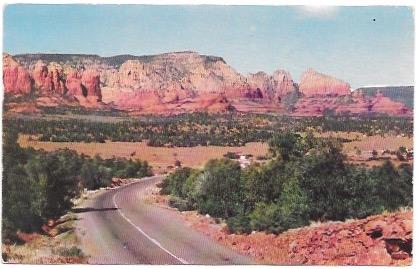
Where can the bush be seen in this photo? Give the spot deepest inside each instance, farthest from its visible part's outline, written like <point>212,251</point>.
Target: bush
<point>70,252</point>
<point>231,155</point>
<point>239,224</point>
<point>179,203</point>
<point>173,184</point>
<point>98,172</point>
<point>290,211</point>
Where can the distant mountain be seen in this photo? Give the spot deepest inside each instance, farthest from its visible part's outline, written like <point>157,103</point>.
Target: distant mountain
<point>179,82</point>
<point>402,94</point>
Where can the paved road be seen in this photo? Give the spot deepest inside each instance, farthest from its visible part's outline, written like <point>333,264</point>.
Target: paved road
<point>120,227</point>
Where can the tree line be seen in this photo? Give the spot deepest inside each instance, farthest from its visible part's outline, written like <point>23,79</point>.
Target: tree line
<point>202,129</point>
<point>307,180</point>
<point>39,185</point>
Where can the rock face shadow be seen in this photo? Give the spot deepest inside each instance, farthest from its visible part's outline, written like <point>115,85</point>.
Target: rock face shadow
<point>92,209</point>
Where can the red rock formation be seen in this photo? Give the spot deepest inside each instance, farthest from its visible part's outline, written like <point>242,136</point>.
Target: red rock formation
<point>383,104</point>
<point>140,100</point>
<point>353,104</point>
<point>91,81</point>
<point>85,87</point>
<point>377,240</point>
<point>261,83</point>
<point>48,79</point>
<point>313,83</point>
<point>283,83</point>
<point>214,103</point>
<point>73,83</point>
<point>271,88</point>
<point>16,79</point>
<point>185,80</point>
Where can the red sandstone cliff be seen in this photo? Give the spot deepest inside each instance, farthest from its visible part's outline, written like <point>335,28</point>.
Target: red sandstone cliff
<point>313,83</point>
<point>50,85</point>
<point>183,82</point>
<point>48,78</point>
<point>16,79</point>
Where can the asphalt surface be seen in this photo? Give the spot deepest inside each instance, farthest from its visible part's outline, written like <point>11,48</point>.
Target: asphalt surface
<point>120,227</point>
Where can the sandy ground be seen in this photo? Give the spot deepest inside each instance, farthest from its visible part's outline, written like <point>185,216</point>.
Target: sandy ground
<point>163,158</point>
<point>158,157</point>
<point>369,143</point>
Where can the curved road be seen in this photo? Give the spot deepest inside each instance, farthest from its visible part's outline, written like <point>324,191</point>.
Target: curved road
<point>120,227</point>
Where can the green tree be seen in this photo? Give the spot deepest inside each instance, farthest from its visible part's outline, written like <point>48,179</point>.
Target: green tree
<point>58,172</point>
<point>174,183</point>
<point>221,190</point>
<point>393,189</point>
<point>286,145</point>
<point>23,202</point>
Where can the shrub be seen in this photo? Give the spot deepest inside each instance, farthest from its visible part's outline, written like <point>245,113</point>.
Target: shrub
<point>179,203</point>
<point>173,184</point>
<point>394,186</point>
<point>70,252</point>
<point>231,155</point>
<point>290,211</point>
<point>239,224</point>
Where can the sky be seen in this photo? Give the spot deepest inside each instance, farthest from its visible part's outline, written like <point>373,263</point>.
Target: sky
<point>371,45</point>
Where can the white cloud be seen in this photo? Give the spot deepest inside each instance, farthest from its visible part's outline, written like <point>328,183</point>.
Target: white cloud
<point>324,12</point>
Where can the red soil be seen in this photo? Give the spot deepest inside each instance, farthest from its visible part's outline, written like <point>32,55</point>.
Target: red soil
<point>377,240</point>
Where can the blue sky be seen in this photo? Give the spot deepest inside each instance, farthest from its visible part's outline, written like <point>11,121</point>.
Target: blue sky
<point>345,42</point>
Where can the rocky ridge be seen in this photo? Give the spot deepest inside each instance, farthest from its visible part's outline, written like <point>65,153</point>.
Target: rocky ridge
<point>377,240</point>
<point>182,82</point>
<point>384,239</point>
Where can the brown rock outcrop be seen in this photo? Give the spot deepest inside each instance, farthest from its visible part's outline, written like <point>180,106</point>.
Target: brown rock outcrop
<point>16,79</point>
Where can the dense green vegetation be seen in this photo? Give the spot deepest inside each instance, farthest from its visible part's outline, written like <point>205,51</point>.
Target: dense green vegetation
<point>38,185</point>
<point>308,179</point>
<point>201,128</point>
